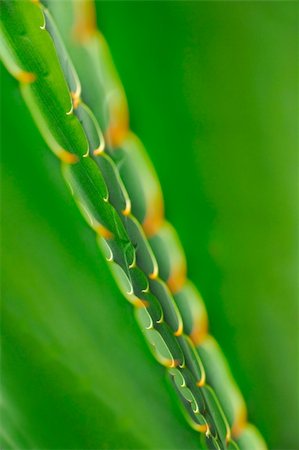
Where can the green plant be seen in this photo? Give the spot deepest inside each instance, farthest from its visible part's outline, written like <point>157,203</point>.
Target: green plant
<point>113,231</point>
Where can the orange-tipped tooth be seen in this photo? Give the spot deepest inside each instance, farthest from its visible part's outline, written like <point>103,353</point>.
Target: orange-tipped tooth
<point>117,130</point>
<point>239,422</point>
<point>154,217</point>
<point>228,436</point>
<point>127,210</point>
<point>179,331</point>
<point>155,272</point>
<point>104,232</point>
<point>139,303</point>
<point>177,279</point>
<point>85,21</point>
<point>201,428</point>
<point>170,363</point>
<point>75,99</point>
<point>25,77</point>
<point>67,157</point>
<point>99,150</point>
<point>199,332</point>
<point>202,381</point>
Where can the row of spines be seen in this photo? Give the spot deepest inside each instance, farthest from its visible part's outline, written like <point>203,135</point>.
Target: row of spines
<point>136,264</point>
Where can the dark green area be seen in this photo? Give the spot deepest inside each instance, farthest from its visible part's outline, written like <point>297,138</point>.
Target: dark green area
<point>213,94</point>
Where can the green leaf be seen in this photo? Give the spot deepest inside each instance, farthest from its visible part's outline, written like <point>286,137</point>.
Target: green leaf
<point>31,57</point>
<point>212,95</point>
<point>75,365</point>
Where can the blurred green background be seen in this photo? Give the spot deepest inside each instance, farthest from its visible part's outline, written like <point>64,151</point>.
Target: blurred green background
<point>213,94</point>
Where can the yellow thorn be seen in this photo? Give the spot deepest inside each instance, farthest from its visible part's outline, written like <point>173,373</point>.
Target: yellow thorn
<point>67,157</point>
<point>127,210</point>
<point>154,217</point>
<point>115,134</point>
<point>240,422</point>
<point>200,428</point>
<point>179,331</point>
<point>76,99</point>
<point>155,272</point>
<point>100,149</point>
<point>85,21</point>
<point>25,77</point>
<point>202,381</point>
<point>169,363</point>
<point>139,303</point>
<point>199,332</point>
<point>228,436</point>
<point>177,278</point>
<point>104,232</point>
